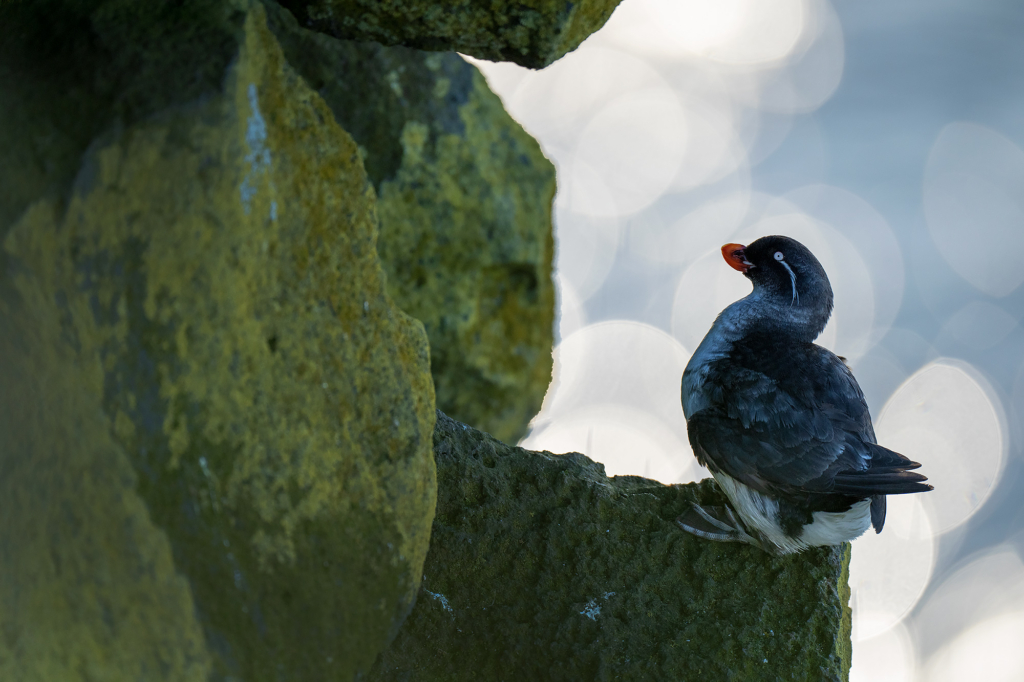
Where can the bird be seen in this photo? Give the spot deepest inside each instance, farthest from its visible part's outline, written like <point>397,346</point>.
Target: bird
<point>781,422</point>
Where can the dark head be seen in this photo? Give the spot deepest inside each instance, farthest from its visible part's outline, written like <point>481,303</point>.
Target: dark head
<point>788,279</point>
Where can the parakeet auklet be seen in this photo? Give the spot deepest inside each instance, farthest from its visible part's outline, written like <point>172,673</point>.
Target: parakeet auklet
<point>780,422</point>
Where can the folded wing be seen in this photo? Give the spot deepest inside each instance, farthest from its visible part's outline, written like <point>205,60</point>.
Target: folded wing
<point>794,422</point>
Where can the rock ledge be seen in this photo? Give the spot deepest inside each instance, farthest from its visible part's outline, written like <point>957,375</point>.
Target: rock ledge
<point>540,567</point>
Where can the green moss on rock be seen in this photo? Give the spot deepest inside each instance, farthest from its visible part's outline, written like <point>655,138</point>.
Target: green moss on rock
<point>532,33</point>
<point>541,568</point>
<point>465,213</point>
<point>89,588</point>
<point>70,70</point>
<point>247,400</point>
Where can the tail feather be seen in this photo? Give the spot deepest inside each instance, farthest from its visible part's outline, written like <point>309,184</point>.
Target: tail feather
<point>882,457</point>
<point>871,477</point>
<point>886,487</point>
<point>894,468</point>
<point>878,512</point>
<point>888,473</point>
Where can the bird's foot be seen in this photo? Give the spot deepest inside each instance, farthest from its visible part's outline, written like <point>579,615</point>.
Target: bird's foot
<point>716,523</point>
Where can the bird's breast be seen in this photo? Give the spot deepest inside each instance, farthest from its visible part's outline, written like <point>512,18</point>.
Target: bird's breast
<point>715,346</point>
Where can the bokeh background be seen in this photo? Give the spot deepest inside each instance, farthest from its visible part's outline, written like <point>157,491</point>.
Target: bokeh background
<point>889,138</point>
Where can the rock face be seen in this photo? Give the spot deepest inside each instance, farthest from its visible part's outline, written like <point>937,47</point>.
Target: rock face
<point>532,33</point>
<point>215,423</point>
<point>465,213</point>
<point>216,461</point>
<point>542,568</point>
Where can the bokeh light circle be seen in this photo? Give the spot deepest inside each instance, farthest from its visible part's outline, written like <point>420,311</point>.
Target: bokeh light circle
<point>629,152</point>
<point>813,72</point>
<point>572,316</point>
<point>979,325</point>
<point>739,32</point>
<point>990,650</point>
<point>585,248</point>
<point>680,231</point>
<point>888,657</point>
<point>879,374</point>
<point>974,204</point>
<point>875,244</point>
<point>989,584</point>
<point>705,288</point>
<point>613,381</point>
<point>626,440</point>
<point>849,331</point>
<point>889,570</point>
<point>615,398</point>
<point>1018,404</point>
<point>946,417</point>
<point>709,285</point>
<point>618,361</point>
<point>555,103</point>
<point>713,150</point>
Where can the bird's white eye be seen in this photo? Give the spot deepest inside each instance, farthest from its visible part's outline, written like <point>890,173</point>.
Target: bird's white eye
<point>778,255</point>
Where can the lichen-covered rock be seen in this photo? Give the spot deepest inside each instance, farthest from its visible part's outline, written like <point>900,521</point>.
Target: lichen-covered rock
<point>216,460</point>
<point>89,588</point>
<point>541,568</point>
<point>532,33</point>
<point>71,70</point>
<point>465,211</point>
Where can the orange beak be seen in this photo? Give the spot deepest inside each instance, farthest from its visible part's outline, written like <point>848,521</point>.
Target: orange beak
<point>733,255</point>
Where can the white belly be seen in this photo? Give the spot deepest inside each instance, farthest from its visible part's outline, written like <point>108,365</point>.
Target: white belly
<point>761,513</point>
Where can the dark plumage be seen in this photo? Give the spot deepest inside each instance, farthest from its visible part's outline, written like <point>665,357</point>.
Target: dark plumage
<point>781,422</point>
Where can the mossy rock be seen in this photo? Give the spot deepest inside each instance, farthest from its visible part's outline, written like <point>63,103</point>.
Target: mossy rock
<point>465,211</point>
<point>532,33</point>
<point>71,70</point>
<point>216,461</point>
<point>542,568</point>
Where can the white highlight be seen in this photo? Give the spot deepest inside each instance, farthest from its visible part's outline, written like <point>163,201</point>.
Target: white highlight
<point>886,658</point>
<point>949,419</point>
<point>831,528</point>
<point>615,398</point>
<point>259,155</point>
<point>751,32</point>
<point>441,598</point>
<point>591,610</point>
<point>627,441</point>
<point>761,513</point>
<point>792,280</point>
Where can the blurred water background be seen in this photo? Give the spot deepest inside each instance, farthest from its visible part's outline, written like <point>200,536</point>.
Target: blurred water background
<point>889,138</point>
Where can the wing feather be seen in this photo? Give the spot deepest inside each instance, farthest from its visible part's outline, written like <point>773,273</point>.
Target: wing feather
<point>793,421</point>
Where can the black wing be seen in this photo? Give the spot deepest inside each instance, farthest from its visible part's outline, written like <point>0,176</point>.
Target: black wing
<point>792,420</point>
